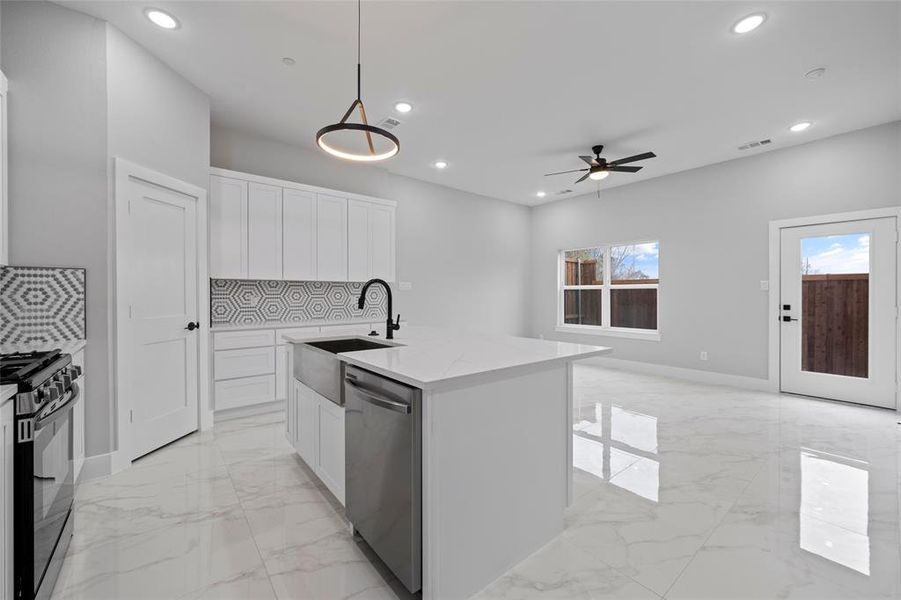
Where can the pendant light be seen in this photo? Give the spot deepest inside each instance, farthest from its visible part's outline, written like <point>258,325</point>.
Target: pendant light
<point>367,152</point>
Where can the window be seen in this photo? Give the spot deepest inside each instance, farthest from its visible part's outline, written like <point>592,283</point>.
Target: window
<point>610,289</point>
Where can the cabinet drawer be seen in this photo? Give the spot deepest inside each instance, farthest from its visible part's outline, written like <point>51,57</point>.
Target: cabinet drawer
<point>296,331</point>
<point>228,340</point>
<point>247,391</point>
<point>246,362</point>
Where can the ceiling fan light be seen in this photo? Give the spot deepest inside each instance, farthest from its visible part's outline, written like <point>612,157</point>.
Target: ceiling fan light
<point>598,175</point>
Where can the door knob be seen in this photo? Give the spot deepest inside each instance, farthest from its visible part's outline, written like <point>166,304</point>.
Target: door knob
<point>192,326</point>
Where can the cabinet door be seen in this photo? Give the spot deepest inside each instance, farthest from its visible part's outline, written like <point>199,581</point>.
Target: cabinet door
<point>331,238</point>
<point>307,424</point>
<point>291,413</point>
<point>381,242</point>
<point>299,235</point>
<point>264,232</point>
<point>228,228</point>
<point>4,186</point>
<point>358,241</point>
<point>330,458</point>
<point>281,372</point>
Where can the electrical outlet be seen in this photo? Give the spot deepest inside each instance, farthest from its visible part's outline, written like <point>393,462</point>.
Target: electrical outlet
<point>764,285</point>
<point>406,285</point>
<point>703,355</point>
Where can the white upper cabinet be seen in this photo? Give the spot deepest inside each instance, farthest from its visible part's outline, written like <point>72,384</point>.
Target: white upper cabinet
<point>4,184</point>
<point>381,242</point>
<point>264,232</point>
<point>228,228</point>
<point>357,241</point>
<point>331,238</point>
<point>370,241</point>
<point>262,228</point>
<point>299,235</point>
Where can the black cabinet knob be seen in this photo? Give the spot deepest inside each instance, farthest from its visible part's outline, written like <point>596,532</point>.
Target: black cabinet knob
<point>192,326</point>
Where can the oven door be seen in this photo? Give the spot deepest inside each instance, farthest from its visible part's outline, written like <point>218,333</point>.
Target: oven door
<point>53,491</point>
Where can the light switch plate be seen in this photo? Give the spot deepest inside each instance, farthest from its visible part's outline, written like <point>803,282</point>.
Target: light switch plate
<point>764,285</point>
<point>405,285</point>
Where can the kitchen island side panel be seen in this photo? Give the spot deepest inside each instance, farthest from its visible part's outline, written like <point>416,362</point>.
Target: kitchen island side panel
<point>495,465</point>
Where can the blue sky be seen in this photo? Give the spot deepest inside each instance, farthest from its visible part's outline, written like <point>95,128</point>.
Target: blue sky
<point>647,257</point>
<point>848,253</point>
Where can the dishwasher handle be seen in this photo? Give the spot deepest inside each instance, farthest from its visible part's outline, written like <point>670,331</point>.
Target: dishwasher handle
<point>381,401</point>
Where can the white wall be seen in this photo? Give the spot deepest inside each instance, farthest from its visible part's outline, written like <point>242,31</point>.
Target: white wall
<point>466,255</point>
<point>55,61</point>
<point>712,224</point>
<point>157,118</point>
<point>81,93</point>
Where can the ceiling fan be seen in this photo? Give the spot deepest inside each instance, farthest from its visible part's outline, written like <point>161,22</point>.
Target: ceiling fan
<point>599,168</point>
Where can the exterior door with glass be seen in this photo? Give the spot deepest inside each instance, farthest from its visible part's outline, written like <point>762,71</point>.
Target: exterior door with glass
<point>837,311</point>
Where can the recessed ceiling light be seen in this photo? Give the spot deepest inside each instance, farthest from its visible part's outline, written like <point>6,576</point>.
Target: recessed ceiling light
<point>160,18</point>
<point>800,126</point>
<point>598,175</point>
<point>815,73</point>
<point>541,194</point>
<point>288,61</point>
<point>403,107</point>
<point>749,23</point>
<point>440,164</point>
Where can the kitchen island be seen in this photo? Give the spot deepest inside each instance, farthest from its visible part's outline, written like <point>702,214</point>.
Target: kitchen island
<point>496,445</point>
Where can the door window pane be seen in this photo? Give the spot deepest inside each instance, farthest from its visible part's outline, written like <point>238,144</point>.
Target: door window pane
<point>634,308</point>
<point>835,304</point>
<point>582,307</point>
<point>634,263</point>
<point>584,267</point>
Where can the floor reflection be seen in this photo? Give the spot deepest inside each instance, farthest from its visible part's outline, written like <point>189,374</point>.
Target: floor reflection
<point>618,445</point>
<point>834,513</point>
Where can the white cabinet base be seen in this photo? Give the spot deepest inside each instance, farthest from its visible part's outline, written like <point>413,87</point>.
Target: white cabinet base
<point>235,393</point>
<point>315,427</point>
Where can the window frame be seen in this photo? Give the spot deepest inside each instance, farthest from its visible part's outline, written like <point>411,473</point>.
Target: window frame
<point>605,329</point>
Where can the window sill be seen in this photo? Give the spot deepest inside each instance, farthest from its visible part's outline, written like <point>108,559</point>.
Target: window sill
<point>651,336</point>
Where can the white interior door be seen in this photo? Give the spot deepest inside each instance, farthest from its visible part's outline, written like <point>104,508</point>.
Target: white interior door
<point>161,357</point>
<point>837,311</point>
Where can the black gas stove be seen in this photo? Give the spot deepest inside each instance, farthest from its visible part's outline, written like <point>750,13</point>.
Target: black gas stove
<point>43,469</point>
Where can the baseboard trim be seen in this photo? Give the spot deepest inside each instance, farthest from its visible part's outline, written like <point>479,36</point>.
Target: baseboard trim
<point>97,466</point>
<point>711,377</point>
<point>248,411</point>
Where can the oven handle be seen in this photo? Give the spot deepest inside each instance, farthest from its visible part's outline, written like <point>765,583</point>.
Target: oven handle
<point>57,414</point>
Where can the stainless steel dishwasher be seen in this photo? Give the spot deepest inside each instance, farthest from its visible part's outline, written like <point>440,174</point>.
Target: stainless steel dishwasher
<point>384,469</point>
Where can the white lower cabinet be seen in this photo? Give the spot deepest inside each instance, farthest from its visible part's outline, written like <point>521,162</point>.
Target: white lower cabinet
<point>245,391</point>
<point>317,432</point>
<point>330,447</point>
<point>7,440</point>
<point>281,370</point>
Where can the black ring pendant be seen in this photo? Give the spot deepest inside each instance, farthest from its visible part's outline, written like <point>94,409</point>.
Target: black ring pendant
<point>365,128</point>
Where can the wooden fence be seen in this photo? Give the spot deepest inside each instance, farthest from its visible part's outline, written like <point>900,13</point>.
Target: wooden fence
<point>835,324</point>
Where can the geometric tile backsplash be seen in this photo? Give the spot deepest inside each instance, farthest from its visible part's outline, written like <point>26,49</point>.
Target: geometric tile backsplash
<point>244,301</point>
<point>41,304</point>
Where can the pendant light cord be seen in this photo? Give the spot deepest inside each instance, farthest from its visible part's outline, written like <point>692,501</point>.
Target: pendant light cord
<point>359,6</point>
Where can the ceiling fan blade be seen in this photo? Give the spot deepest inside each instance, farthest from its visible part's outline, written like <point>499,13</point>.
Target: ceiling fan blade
<point>625,169</point>
<point>582,178</point>
<point>590,160</point>
<point>562,172</point>
<point>629,159</point>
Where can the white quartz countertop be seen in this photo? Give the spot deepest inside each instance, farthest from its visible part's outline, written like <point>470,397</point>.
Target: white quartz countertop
<point>430,357</point>
<point>67,347</point>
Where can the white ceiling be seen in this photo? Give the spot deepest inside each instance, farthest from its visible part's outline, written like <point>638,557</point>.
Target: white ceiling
<point>508,91</point>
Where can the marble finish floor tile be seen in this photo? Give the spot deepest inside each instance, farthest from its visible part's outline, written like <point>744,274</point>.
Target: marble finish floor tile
<point>681,490</point>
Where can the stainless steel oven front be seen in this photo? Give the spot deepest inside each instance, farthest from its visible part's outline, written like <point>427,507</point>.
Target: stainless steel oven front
<point>44,486</point>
